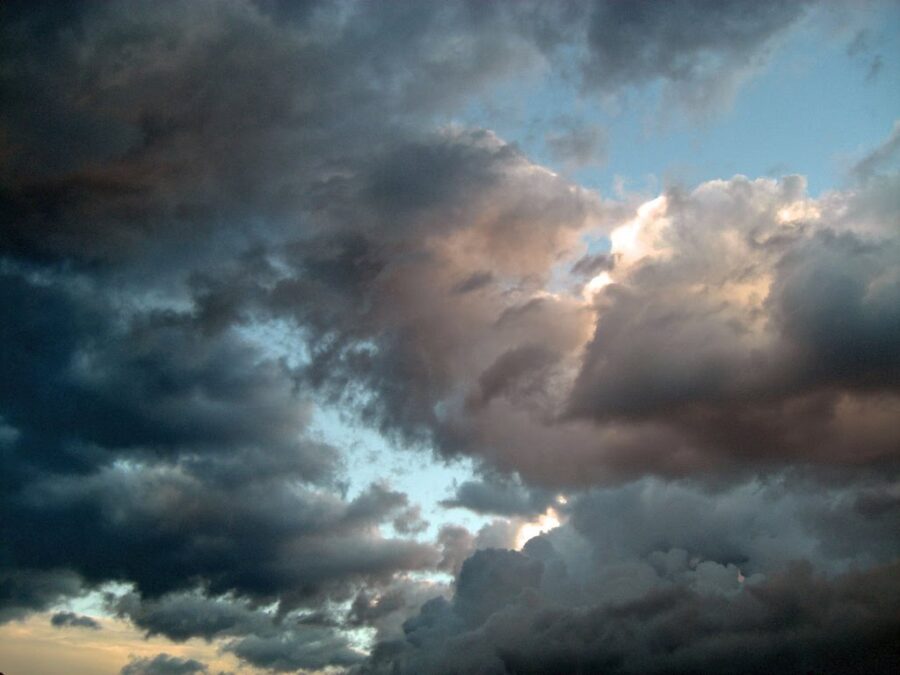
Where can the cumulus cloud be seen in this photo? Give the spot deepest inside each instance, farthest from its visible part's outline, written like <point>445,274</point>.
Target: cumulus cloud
<point>62,619</point>
<point>733,323</point>
<point>797,621</point>
<point>500,495</point>
<point>703,53</point>
<point>164,664</point>
<point>669,578</point>
<point>742,306</point>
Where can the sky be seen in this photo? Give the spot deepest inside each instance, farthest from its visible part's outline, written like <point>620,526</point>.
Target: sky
<point>372,338</point>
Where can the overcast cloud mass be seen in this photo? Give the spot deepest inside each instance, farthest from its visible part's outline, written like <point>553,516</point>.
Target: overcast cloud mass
<point>416,337</point>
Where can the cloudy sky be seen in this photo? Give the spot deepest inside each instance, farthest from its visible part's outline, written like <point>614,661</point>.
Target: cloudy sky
<point>427,338</point>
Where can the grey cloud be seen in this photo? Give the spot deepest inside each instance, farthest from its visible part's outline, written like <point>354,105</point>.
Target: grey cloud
<point>500,496</point>
<point>861,48</point>
<point>702,51</point>
<point>521,367</point>
<point>491,580</point>
<point>310,649</point>
<point>499,533</point>
<point>183,126</point>
<point>577,146</point>
<point>387,609</point>
<point>795,622</point>
<point>181,617</point>
<point>758,526</point>
<point>456,544</point>
<point>877,159</point>
<point>62,619</point>
<point>658,577</point>
<point>23,591</point>
<point>163,664</point>
<point>154,385</point>
<point>412,363</point>
<point>260,637</point>
<point>305,543</point>
<point>156,436</point>
<point>410,521</point>
<point>716,351</point>
<point>728,372</point>
<point>474,282</point>
<point>592,264</point>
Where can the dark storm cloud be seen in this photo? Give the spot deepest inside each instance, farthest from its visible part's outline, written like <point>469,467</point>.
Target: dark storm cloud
<point>701,50</point>
<point>667,578</point>
<point>24,591</point>
<point>796,622</point>
<point>180,451</point>
<point>185,616</point>
<point>218,120</point>
<point>62,619</point>
<point>164,664</point>
<point>165,529</point>
<point>388,608</point>
<point>82,390</point>
<point>310,649</point>
<point>258,636</point>
<point>500,496</point>
<point>280,641</point>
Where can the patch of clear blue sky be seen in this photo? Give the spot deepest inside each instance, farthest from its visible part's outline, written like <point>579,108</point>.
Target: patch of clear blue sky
<point>368,455</point>
<point>813,110</point>
<point>370,458</point>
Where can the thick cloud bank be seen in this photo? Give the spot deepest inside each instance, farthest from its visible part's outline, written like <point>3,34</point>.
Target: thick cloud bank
<point>656,578</point>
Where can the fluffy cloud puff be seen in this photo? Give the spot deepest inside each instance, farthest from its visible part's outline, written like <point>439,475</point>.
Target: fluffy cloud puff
<point>668,578</point>
<point>738,326</point>
<point>164,664</point>
<point>61,619</point>
<point>795,622</point>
